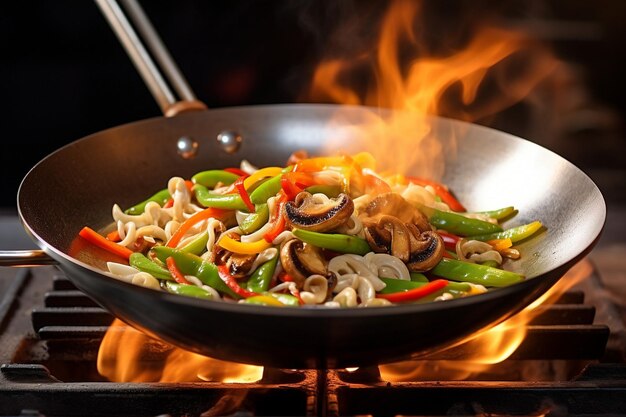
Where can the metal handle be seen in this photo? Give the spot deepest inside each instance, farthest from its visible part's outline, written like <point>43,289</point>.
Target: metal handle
<point>157,84</point>
<point>25,258</point>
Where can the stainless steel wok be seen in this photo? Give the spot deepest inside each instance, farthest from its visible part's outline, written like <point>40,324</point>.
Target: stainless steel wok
<point>78,184</point>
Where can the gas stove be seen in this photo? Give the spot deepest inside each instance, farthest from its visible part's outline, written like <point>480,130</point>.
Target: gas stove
<point>571,362</point>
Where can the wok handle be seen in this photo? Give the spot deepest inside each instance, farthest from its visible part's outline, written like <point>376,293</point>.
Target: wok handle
<point>142,59</point>
<point>25,258</point>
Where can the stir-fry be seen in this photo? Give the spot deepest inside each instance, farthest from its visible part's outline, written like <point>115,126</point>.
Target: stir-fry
<point>322,231</point>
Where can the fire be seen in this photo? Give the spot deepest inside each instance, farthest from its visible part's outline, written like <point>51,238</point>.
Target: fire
<point>128,355</point>
<point>491,346</point>
<point>428,84</point>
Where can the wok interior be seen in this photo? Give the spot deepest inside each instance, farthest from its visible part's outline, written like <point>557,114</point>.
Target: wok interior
<point>487,169</point>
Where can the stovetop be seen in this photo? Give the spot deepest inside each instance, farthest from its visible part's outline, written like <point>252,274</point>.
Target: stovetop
<point>572,362</point>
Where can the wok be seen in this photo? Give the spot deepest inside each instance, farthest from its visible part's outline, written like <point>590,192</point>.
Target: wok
<point>78,184</point>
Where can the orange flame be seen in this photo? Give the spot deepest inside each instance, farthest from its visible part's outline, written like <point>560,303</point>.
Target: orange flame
<point>128,355</point>
<point>489,347</point>
<point>448,86</point>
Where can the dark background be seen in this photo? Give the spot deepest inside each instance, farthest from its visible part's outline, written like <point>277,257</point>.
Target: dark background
<point>64,74</point>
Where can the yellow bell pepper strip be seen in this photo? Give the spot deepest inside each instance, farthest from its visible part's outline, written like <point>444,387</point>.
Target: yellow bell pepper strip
<point>161,197</point>
<point>178,276</point>
<point>455,270</point>
<point>188,290</point>
<point>213,177</point>
<point>442,191</point>
<point>260,279</point>
<point>141,262</point>
<point>393,285</point>
<point>231,282</point>
<point>222,201</point>
<point>255,221</point>
<point>500,244</point>
<point>97,239</point>
<point>334,241</point>
<point>235,246</point>
<point>415,293</point>
<point>264,300</point>
<point>190,264</point>
<point>190,222</point>
<point>241,189</point>
<point>261,174</point>
<point>457,223</point>
<point>516,234</point>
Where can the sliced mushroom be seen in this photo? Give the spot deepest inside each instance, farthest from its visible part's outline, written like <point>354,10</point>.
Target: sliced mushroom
<point>301,260</point>
<point>240,265</point>
<point>318,213</point>
<point>388,234</point>
<point>426,249</point>
<point>395,205</point>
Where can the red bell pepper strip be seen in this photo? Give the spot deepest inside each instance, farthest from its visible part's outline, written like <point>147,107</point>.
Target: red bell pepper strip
<point>95,238</point>
<point>277,219</point>
<point>229,280</point>
<point>178,276</point>
<point>198,217</point>
<point>236,171</point>
<point>241,189</point>
<point>449,240</point>
<point>290,189</point>
<point>442,191</point>
<point>169,203</point>
<point>415,293</point>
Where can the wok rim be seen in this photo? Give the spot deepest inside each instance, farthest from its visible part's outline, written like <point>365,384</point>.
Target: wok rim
<point>315,311</point>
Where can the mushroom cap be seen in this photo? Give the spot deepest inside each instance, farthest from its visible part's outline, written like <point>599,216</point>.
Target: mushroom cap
<point>317,212</point>
<point>301,260</point>
<point>395,205</point>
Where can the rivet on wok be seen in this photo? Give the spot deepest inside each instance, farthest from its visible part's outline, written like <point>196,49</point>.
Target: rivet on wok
<point>187,147</point>
<point>229,140</point>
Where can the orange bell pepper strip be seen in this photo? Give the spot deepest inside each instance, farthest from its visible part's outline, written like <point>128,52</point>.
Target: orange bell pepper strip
<point>95,238</point>
<point>196,218</point>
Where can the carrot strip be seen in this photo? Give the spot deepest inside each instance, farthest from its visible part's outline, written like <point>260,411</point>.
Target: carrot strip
<point>198,217</point>
<point>97,239</point>
<point>114,236</point>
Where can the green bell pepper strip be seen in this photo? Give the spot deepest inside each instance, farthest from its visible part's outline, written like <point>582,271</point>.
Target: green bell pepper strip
<point>500,214</point>
<point>260,279</point>
<point>197,246</point>
<point>417,277</point>
<point>397,285</point>
<point>286,299</point>
<point>334,241</point>
<point>144,264</point>
<point>457,223</point>
<point>190,264</point>
<point>188,290</point>
<point>161,197</point>
<point>476,274</point>
<point>256,220</point>
<point>212,177</point>
<point>331,191</point>
<point>267,189</point>
<point>515,233</point>
<point>221,201</point>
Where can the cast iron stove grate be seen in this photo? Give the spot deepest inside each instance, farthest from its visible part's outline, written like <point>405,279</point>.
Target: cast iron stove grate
<point>51,333</point>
